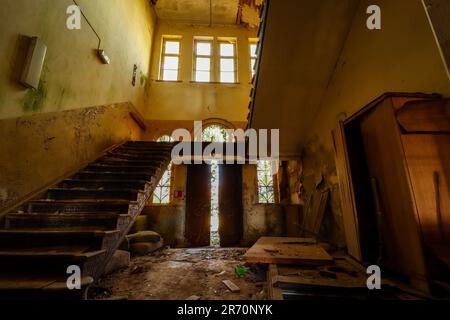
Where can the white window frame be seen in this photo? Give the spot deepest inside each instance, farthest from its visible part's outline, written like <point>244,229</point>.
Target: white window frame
<point>253,42</point>
<point>164,55</point>
<point>196,56</point>
<point>232,41</point>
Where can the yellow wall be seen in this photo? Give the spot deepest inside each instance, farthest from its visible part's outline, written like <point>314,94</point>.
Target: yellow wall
<point>73,77</point>
<point>197,101</point>
<point>402,57</point>
<point>42,148</point>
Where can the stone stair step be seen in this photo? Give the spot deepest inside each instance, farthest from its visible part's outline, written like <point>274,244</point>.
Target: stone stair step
<point>22,239</point>
<point>123,162</point>
<point>149,144</point>
<point>90,175</point>
<point>68,206</point>
<point>81,224</point>
<point>31,287</point>
<point>135,157</point>
<point>148,153</point>
<point>102,184</point>
<point>119,168</point>
<point>105,221</point>
<point>67,194</point>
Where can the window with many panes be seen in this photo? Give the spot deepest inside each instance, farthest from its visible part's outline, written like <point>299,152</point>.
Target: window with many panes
<point>266,189</point>
<point>161,195</point>
<point>170,59</point>
<point>227,63</point>
<point>253,56</point>
<point>203,60</point>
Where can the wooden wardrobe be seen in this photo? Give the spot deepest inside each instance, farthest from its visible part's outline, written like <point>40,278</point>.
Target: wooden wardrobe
<point>393,163</point>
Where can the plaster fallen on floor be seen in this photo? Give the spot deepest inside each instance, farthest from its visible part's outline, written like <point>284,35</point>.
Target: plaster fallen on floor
<point>177,274</point>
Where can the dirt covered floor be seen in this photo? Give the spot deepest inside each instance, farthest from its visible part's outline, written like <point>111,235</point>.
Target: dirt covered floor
<point>177,274</point>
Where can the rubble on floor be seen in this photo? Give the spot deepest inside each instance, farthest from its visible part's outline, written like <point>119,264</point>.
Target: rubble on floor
<point>182,274</point>
<point>299,269</point>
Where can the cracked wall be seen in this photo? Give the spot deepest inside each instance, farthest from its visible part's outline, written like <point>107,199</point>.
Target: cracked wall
<point>39,149</point>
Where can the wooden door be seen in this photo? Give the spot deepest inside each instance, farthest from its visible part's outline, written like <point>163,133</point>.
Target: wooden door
<point>230,205</point>
<point>350,218</point>
<point>401,239</point>
<point>198,205</point>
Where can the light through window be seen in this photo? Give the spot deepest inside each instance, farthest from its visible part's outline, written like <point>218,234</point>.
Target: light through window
<point>202,60</point>
<point>161,195</point>
<point>215,133</point>
<point>227,66</point>
<point>253,57</point>
<point>170,61</point>
<point>266,191</point>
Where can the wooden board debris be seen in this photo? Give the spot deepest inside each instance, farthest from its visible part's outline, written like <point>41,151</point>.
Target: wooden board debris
<point>231,286</point>
<point>314,213</point>
<point>273,250</point>
<point>273,291</point>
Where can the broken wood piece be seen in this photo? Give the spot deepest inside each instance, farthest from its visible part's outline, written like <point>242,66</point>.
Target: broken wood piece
<point>328,274</point>
<point>272,251</point>
<point>193,298</point>
<point>314,213</point>
<point>274,293</point>
<point>287,253</point>
<point>231,286</point>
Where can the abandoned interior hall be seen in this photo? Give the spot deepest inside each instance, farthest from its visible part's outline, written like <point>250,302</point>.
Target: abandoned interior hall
<point>337,113</point>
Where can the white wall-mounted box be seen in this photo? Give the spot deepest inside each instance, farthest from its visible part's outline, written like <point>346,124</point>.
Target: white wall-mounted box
<point>34,63</point>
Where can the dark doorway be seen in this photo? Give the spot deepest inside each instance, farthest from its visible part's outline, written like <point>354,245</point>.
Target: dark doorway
<point>230,205</point>
<point>198,205</point>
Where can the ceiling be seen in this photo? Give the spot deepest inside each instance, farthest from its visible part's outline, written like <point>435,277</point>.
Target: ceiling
<point>224,12</point>
<point>302,44</point>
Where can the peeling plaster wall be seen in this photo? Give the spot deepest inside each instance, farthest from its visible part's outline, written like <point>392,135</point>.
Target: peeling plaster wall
<point>38,149</point>
<point>158,128</point>
<point>73,76</point>
<point>186,100</point>
<point>402,57</point>
<point>169,220</point>
<point>259,219</point>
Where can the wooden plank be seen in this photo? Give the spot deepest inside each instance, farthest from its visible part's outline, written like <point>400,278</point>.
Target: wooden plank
<point>314,214</point>
<point>274,292</point>
<point>287,251</point>
<point>231,286</point>
<point>428,159</point>
<point>425,116</point>
<point>293,220</point>
<point>399,223</point>
<point>348,205</point>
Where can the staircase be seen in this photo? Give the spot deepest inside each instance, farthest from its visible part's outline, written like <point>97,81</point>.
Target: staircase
<point>80,222</point>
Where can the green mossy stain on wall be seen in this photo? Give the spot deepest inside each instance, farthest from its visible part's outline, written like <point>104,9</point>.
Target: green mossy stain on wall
<point>34,99</point>
<point>143,78</point>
